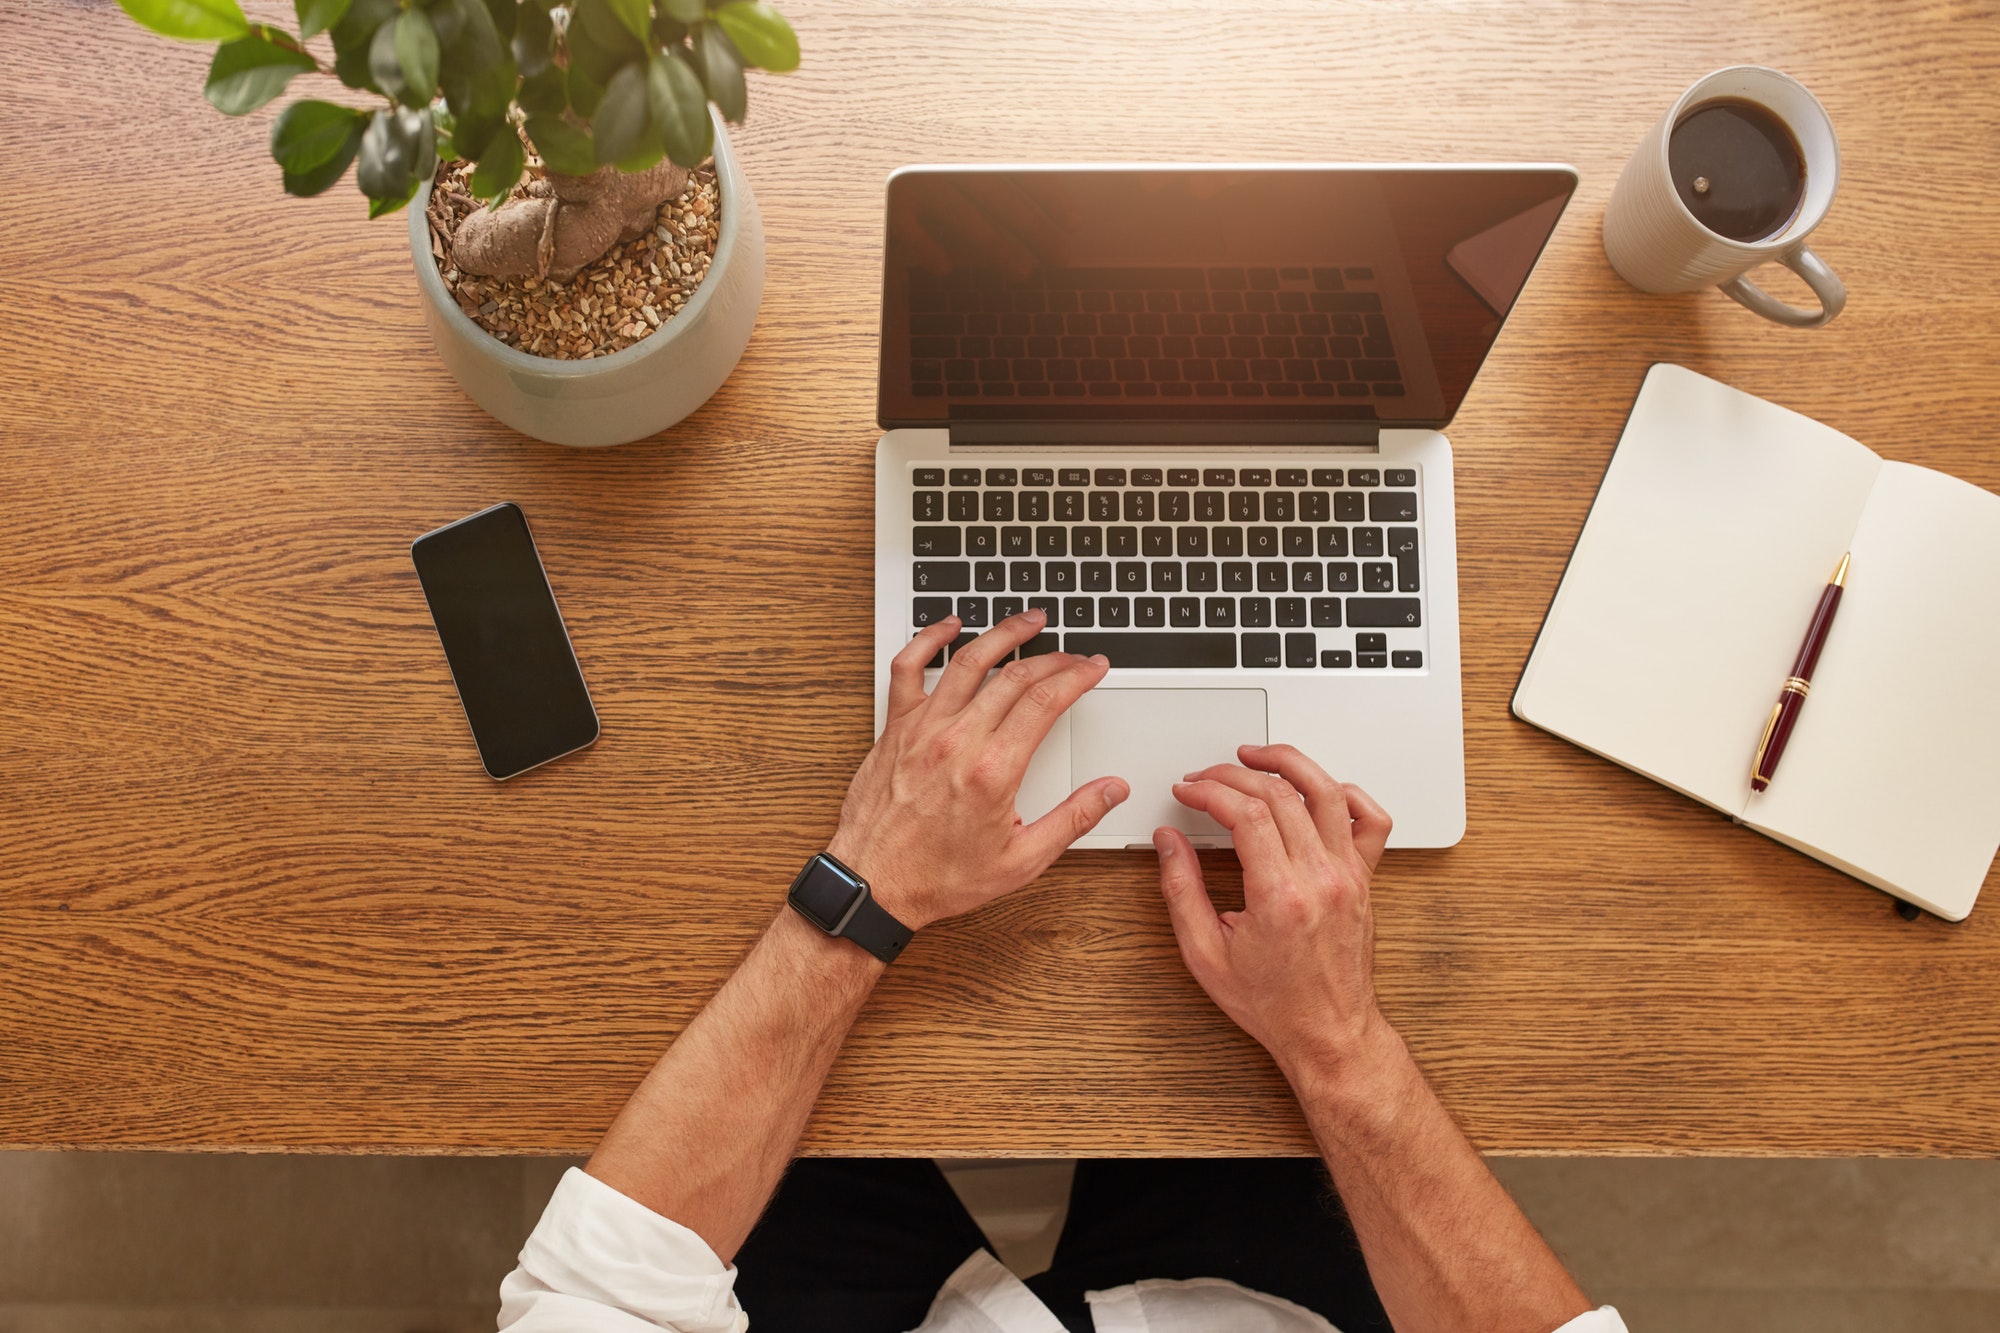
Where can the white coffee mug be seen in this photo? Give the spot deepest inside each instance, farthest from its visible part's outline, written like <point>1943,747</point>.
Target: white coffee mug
<point>1657,245</point>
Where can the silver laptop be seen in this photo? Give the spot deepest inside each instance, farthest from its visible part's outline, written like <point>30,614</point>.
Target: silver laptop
<point>1194,413</point>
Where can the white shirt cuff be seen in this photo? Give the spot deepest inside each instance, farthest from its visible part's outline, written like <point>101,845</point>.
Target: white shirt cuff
<point>599,1260</point>
<point>1603,1319</point>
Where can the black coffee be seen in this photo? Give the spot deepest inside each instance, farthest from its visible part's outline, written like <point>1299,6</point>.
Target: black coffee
<point>1737,168</point>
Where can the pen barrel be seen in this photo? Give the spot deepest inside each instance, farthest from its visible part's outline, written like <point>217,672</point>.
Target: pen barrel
<point>1822,621</point>
<point>1789,705</point>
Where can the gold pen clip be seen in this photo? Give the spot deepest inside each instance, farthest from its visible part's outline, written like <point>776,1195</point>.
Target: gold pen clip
<point>1764,741</point>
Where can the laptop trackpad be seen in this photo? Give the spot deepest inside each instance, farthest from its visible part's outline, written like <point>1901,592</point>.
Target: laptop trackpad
<point>1151,738</point>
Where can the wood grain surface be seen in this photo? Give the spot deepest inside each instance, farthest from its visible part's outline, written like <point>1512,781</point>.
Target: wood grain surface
<point>256,893</point>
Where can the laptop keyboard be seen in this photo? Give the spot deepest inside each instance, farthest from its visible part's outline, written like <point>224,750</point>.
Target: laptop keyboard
<point>1294,332</point>
<point>1211,568</point>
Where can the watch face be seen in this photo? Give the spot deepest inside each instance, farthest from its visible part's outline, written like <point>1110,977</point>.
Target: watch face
<point>824,894</point>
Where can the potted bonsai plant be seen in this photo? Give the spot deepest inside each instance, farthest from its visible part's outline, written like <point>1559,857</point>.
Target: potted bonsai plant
<point>589,253</point>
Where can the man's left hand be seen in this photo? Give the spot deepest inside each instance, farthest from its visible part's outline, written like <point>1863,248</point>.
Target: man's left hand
<point>929,820</point>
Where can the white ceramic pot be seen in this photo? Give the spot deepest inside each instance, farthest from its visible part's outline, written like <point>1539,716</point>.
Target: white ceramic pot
<point>627,395</point>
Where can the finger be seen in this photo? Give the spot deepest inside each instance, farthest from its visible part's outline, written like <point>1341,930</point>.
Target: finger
<point>906,668</point>
<point>1196,926</point>
<point>969,665</point>
<point>1326,801</point>
<point>1252,827</point>
<point>1295,826</point>
<point>1371,824</point>
<point>1048,837</point>
<point>989,707</point>
<point>1027,723</point>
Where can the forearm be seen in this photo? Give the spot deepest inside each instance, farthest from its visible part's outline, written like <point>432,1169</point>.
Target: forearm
<point>708,1134</point>
<point>1448,1249</point>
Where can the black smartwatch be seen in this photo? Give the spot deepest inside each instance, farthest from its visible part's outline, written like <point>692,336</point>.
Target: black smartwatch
<point>837,900</point>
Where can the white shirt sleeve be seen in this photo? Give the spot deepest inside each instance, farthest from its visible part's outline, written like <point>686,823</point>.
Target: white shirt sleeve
<point>599,1262</point>
<point>1603,1319</point>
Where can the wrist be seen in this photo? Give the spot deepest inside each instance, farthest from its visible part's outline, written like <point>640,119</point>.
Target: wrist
<point>888,894</point>
<point>811,951</point>
<point>1355,1066</point>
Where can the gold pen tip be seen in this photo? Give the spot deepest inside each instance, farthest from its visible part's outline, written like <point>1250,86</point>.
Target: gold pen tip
<point>1839,579</point>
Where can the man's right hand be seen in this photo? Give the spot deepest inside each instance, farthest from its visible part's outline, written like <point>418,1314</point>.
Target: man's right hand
<point>1295,967</point>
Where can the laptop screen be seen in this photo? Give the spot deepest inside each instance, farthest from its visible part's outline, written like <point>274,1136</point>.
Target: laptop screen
<point>1163,294</point>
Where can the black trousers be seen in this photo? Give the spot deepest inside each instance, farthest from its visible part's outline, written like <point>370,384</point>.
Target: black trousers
<point>862,1245</point>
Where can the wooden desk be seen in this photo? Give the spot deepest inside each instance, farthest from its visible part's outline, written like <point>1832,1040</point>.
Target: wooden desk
<point>256,893</point>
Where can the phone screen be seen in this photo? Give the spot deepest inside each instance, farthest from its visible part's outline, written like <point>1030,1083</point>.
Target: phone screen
<point>504,640</point>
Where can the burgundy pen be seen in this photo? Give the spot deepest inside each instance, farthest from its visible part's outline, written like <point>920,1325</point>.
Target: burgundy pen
<point>1792,694</point>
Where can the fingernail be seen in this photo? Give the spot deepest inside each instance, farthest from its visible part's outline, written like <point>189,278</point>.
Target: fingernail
<point>1164,846</point>
<point>1100,659</point>
<point>1190,777</point>
<point>1117,795</point>
<point>1035,613</point>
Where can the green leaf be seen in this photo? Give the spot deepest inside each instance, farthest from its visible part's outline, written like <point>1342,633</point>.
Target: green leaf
<point>599,39</point>
<point>447,20</point>
<point>189,20</point>
<point>721,70</point>
<point>504,16</point>
<point>584,92</point>
<point>317,16</point>
<point>544,93</point>
<point>689,12</point>
<point>622,124</point>
<point>499,169</point>
<point>445,126</point>
<point>352,38</point>
<point>417,55</point>
<point>305,134</point>
<point>250,71</point>
<point>313,142</point>
<point>761,34</point>
<point>398,149</point>
<point>679,108</point>
<point>534,40</point>
<point>565,149</point>
<point>390,203</point>
<point>384,68</point>
<point>636,15</point>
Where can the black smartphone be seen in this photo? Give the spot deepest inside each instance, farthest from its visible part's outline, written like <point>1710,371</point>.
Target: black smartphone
<point>504,640</point>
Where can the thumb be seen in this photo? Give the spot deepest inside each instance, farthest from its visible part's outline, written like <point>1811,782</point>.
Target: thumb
<point>1196,925</point>
<point>1050,836</point>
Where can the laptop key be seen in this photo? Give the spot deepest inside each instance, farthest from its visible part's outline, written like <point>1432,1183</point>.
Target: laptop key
<point>934,541</point>
<point>965,476</point>
<point>927,476</point>
<point>1326,612</point>
<point>1069,506</point>
<point>1104,506</point>
<point>1255,611</point>
<point>1184,612</point>
<point>941,576</point>
<point>1124,541</point>
<point>1226,541</point>
<point>1174,506</point>
<point>1243,507</point>
<point>1166,576</point>
<point>929,610</point>
<point>1191,541</point>
<point>1050,607</point>
<point>1392,507</point>
<point>1291,612</point>
<point>1059,576</point>
<point>1096,576</point>
<point>1262,650</point>
<point>1333,542</point>
<point>1298,541</point>
<point>1263,542</point>
<point>1327,476</point>
<point>1364,476</point>
<point>1073,476</point>
<point>1086,541</point>
<point>1371,659</point>
<point>1114,612</point>
<point>1045,643</point>
<point>961,643</point>
<point>1183,476</point>
<point>1149,612</point>
<point>972,612</point>
<point>1343,576</point>
<point>1406,657</point>
<point>1156,541</point>
<point>1349,506</point>
<point>1109,476</point>
<point>982,541</point>
<point>927,506</point>
<point>1131,576</point>
<point>1306,576</point>
<point>1301,650</point>
<point>1218,476</point>
<point>1220,612</point>
<point>1396,612</point>
<point>1278,507</point>
<point>999,507</point>
<point>1079,612</point>
<point>1002,476</point>
<point>1400,476</point>
<point>1188,651</point>
<point>1024,576</point>
<point>1209,506</point>
<point>1201,576</point>
<point>1038,476</point>
<point>1271,576</point>
<point>1017,541</point>
<point>1034,506</point>
<point>1004,607</point>
<point>989,576</point>
<point>1148,476</point>
<point>1368,541</point>
<point>1315,506</point>
<point>1138,506</point>
<point>1051,541</point>
<point>1403,546</point>
<point>1294,477</point>
<point>1378,576</point>
<point>1371,643</point>
<point>1336,658</point>
<point>1255,476</point>
<point>963,507</point>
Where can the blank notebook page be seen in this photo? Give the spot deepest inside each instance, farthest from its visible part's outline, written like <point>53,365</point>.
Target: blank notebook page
<point>1719,520</point>
<point>1893,772</point>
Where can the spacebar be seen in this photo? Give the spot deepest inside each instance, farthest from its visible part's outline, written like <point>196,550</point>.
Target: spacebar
<point>1156,650</point>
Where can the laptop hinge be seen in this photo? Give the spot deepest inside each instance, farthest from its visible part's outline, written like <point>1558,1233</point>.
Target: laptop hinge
<point>1367,434</point>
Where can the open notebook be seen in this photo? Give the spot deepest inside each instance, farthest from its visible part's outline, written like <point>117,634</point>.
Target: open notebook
<point>1718,523</point>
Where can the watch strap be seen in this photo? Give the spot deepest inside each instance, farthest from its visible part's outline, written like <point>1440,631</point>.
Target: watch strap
<point>874,929</point>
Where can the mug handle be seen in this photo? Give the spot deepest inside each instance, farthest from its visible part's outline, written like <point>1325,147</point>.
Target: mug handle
<point>1809,266</point>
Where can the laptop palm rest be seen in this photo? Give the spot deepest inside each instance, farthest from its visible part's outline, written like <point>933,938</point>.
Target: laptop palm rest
<point>1152,738</point>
